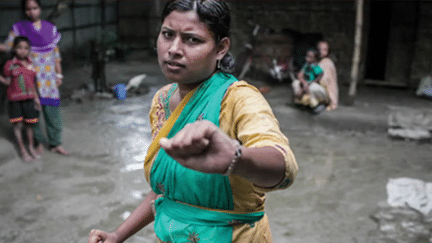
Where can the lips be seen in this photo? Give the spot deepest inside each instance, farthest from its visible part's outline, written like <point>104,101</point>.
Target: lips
<point>174,65</point>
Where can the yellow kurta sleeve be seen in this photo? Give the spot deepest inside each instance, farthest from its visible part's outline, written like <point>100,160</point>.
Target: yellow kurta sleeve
<point>247,116</point>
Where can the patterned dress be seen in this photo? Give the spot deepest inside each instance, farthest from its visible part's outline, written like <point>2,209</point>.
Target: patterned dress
<point>45,55</point>
<point>44,59</point>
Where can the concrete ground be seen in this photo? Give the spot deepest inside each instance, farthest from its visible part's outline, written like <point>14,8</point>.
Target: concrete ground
<point>345,161</point>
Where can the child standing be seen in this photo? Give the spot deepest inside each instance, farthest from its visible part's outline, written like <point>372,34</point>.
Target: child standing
<point>21,93</point>
<point>307,88</point>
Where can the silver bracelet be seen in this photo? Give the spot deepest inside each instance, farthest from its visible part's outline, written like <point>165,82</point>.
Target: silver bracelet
<point>60,76</point>
<point>237,156</point>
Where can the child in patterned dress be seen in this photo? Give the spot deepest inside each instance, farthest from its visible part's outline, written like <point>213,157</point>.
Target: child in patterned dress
<point>24,104</point>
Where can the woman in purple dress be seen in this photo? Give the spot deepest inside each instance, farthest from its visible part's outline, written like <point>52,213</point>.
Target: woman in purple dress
<point>45,55</point>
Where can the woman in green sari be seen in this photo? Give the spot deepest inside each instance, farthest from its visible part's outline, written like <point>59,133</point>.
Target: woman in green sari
<point>217,147</point>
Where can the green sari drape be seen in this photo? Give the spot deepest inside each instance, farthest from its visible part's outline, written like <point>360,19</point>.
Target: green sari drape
<point>176,221</point>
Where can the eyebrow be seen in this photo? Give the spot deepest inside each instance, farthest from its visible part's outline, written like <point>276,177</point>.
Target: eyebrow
<point>183,33</point>
<point>167,28</point>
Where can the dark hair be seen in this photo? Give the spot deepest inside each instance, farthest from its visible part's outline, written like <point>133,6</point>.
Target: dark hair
<point>19,39</point>
<point>215,14</point>
<point>23,6</point>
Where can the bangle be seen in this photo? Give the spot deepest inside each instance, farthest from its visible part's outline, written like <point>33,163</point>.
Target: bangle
<point>60,76</point>
<point>237,156</point>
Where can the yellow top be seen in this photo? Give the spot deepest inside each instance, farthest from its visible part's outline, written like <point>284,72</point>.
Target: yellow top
<point>246,116</point>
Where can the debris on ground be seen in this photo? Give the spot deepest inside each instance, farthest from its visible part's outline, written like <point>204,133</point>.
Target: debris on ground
<point>425,87</point>
<point>410,124</point>
<point>400,225</point>
<point>413,193</point>
<point>407,215</point>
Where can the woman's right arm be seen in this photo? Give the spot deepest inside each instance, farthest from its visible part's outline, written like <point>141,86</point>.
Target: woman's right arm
<point>7,45</point>
<point>141,216</point>
<point>3,48</point>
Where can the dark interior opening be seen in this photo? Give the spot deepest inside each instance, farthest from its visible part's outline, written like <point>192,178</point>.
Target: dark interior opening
<point>380,20</point>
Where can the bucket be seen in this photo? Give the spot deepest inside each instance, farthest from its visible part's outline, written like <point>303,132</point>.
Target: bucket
<point>120,91</point>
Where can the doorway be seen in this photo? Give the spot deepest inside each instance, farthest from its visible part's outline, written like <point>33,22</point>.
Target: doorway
<point>392,36</point>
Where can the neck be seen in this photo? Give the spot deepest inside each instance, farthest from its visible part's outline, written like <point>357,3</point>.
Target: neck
<point>184,89</point>
<point>37,22</point>
<point>22,60</point>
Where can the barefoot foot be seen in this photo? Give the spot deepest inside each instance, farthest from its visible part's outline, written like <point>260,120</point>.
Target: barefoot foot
<point>40,149</point>
<point>25,156</point>
<point>34,153</point>
<point>60,150</point>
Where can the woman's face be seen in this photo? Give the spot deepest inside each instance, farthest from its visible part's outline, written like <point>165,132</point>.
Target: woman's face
<point>22,50</point>
<point>323,49</point>
<point>33,10</point>
<point>187,52</point>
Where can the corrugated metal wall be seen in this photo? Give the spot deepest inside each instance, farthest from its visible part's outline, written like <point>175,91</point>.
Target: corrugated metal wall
<point>79,21</point>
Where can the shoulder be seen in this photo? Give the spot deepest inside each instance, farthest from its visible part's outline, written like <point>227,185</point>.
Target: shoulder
<point>19,23</point>
<point>161,96</point>
<point>326,62</point>
<point>9,64</point>
<point>162,92</point>
<point>242,88</point>
<point>48,23</point>
<point>243,97</point>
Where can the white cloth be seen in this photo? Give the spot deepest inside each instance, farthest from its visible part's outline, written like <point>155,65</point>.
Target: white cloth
<point>414,193</point>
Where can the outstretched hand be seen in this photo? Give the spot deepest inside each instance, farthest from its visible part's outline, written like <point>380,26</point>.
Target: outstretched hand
<point>201,146</point>
<point>99,236</point>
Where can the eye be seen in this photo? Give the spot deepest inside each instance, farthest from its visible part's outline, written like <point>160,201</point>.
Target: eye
<point>192,40</point>
<point>167,34</point>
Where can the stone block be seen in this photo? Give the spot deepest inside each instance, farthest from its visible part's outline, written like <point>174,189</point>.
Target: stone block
<point>410,124</point>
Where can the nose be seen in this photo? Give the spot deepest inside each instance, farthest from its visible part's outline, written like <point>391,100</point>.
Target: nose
<point>175,47</point>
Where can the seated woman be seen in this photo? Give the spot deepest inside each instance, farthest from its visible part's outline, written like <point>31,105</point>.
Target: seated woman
<point>307,89</point>
<point>329,79</point>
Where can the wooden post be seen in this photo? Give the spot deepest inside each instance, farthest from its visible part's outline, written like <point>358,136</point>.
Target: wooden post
<point>356,55</point>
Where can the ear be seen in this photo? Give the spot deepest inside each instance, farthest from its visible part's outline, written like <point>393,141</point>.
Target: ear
<point>223,47</point>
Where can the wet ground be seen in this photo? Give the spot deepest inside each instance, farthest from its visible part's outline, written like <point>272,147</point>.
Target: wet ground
<point>343,172</point>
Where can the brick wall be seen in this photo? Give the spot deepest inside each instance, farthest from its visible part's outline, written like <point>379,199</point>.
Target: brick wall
<point>335,20</point>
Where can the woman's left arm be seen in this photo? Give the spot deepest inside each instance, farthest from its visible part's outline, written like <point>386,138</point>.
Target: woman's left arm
<point>58,67</point>
<point>264,167</point>
<point>202,146</point>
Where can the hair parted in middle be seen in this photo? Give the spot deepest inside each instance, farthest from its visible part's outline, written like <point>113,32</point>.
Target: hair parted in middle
<point>215,14</point>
